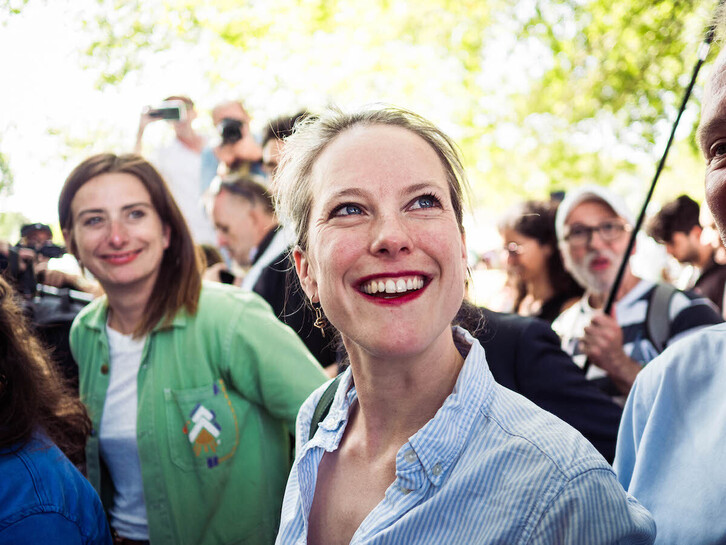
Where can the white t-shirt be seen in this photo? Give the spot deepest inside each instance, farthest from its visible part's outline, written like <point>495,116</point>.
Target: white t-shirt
<point>117,436</point>
<point>181,169</point>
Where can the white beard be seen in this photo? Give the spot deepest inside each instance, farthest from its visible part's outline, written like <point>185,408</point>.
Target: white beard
<point>597,283</point>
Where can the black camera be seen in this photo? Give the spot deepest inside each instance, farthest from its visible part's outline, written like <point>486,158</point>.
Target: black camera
<point>230,130</point>
<point>51,250</point>
<point>47,249</point>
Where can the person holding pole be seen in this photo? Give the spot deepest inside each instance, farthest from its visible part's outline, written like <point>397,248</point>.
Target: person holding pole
<point>592,225</point>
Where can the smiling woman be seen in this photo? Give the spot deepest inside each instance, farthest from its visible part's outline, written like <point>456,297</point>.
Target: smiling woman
<point>417,422</point>
<point>191,408</point>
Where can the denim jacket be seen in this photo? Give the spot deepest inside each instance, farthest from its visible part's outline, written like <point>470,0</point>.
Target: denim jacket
<point>45,499</point>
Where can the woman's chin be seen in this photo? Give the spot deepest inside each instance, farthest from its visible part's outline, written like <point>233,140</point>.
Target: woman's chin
<point>394,343</point>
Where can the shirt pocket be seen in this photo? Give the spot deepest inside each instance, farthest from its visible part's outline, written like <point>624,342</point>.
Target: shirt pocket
<point>202,426</point>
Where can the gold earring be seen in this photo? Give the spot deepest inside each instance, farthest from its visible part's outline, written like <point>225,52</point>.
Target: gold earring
<point>320,321</point>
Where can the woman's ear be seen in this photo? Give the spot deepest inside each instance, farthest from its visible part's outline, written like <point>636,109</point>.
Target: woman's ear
<point>306,274</point>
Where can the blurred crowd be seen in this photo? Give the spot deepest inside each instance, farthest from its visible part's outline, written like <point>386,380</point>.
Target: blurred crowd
<point>163,366</point>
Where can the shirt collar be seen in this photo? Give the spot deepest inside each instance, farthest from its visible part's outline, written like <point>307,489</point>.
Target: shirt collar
<point>98,316</point>
<point>438,444</point>
<point>258,250</point>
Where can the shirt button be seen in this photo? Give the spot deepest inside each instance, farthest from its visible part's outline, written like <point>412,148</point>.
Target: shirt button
<point>406,491</point>
<point>410,456</point>
<point>437,470</point>
<point>104,369</point>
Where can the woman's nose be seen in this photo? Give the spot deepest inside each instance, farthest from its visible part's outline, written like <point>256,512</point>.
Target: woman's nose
<point>391,236</point>
<point>118,236</point>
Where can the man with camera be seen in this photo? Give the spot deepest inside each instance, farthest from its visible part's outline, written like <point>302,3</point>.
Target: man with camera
<point>238,152</point>
<point>26,263</point>
<point>180,161</point>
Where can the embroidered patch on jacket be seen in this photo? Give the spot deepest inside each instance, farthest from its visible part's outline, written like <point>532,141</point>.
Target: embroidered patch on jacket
<point>203,431</point>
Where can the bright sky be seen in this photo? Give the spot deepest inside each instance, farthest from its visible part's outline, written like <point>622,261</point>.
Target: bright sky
<point>48,98</point>
<point>45,88</point>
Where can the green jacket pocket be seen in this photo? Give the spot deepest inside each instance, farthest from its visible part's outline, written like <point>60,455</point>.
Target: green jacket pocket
<point>202,426</point>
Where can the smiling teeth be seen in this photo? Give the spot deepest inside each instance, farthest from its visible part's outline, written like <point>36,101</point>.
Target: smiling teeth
<point>400,285</point>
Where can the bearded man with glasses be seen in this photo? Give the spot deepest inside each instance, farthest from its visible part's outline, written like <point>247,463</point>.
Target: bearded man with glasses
<point>593,226</point>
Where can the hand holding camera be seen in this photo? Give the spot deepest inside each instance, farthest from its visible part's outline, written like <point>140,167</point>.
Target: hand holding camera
<point>237,145</point>
<point>174,111</point>
<point>170,110</point>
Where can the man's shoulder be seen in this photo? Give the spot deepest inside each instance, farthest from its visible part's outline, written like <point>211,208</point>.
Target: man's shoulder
<point>216,297</point>
<point>702,350</point>
<point>673,300</point>
<point>503,332</point>
<point>689,309</point>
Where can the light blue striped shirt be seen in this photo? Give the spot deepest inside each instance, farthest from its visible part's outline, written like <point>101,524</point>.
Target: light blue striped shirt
<point>490,467</point>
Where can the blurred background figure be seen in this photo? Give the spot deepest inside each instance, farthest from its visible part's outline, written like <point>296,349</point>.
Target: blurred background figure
<point>246,224</point>
<point>247,227</point>
<point>593,228</point>
<point>39,238</point>
<point>43,431</point>
<point>237,150</point>
<point>51,297</point>
<point>273,142</point>
<point>180,161</point>
<point>543,288</point>
<point>677,226</point>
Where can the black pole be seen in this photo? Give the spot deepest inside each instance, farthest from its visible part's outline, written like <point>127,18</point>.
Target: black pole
<point>702,54</point>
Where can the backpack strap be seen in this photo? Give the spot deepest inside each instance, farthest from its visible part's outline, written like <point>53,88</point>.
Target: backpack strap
<point>657,319</point>
<point>323,407</point>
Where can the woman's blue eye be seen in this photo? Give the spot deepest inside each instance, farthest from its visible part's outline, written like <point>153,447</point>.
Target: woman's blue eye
<point>136,214</point>
<point>347,210</point>
<point>92,220</point>
<point>425,201</point>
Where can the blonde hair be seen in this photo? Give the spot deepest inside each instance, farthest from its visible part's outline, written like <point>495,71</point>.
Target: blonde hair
<point>294,177</point>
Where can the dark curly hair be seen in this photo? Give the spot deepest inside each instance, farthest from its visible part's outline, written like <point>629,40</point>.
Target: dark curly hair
<point>33,395</point>
<point>678,216</point>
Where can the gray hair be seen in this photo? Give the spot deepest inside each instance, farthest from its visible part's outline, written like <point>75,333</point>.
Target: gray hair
<point>294,177</point>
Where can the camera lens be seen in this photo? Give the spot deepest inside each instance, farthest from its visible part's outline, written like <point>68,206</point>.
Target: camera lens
<point>230,130</point>
<point>51,250</point>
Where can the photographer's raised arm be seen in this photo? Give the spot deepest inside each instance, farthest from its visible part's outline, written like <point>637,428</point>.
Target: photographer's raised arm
<point>144,120</point>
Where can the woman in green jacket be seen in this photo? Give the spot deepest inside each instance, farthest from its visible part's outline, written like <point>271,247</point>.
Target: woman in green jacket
<point>192,389</point>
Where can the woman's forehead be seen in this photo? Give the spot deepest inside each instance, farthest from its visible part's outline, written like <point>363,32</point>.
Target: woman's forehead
<point>366,153</point>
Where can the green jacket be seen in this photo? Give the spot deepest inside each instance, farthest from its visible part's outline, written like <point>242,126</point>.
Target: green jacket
<point>218,393</point>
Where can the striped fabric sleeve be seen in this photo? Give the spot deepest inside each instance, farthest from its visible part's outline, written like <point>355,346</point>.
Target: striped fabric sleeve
<point>591,508</point>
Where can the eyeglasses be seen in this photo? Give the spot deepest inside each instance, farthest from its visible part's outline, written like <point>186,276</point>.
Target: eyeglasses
<point>514,249</point>
<point>609,231</point>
